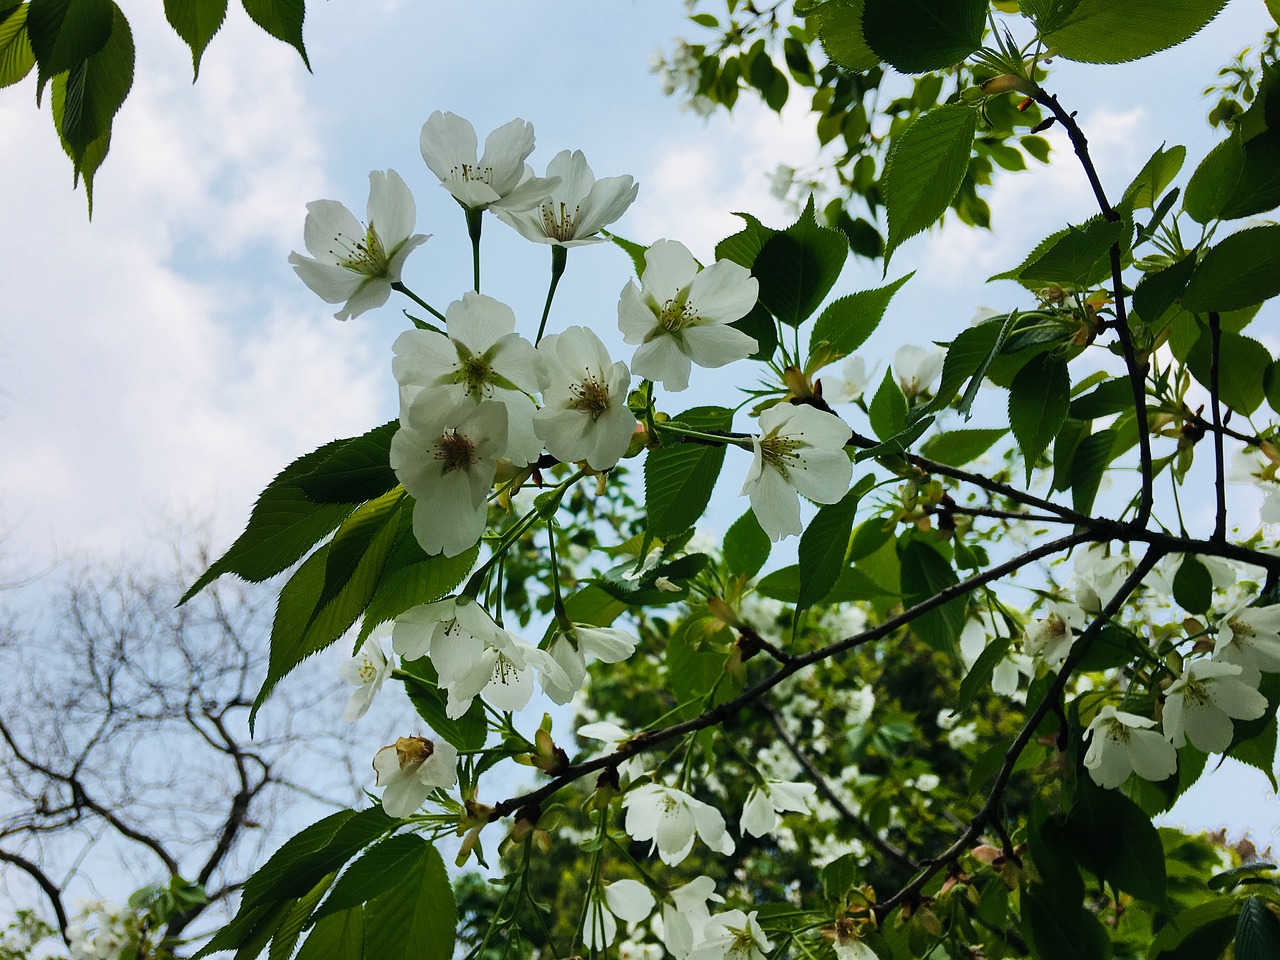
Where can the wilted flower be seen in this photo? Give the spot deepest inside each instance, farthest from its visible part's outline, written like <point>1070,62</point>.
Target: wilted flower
<point>1123,743</point>
<point>411,769</point>
<point>353,264</point>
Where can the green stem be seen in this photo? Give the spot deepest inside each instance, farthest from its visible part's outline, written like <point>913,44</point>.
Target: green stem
<point>559,257</point>
<point>557,604</point>
<point>475,220</point>
<point>721,439</point>
<point>400,287</point>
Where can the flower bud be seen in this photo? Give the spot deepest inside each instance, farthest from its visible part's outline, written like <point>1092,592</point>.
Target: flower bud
<point>1007,83</point>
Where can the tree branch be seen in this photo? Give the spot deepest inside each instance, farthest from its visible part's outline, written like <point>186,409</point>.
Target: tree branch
<point>51,890</point>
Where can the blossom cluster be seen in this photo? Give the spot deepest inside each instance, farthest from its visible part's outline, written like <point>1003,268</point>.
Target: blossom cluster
<point>102,930</point>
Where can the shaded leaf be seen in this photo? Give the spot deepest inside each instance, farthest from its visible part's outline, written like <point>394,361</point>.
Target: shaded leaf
<point>918,36</point>
<point>1038,402</point>
<point>824,543</point>
<point>797,267</point>
<point>1242,270</point>
<point>416,919</point>
<point>746,546</point>
<point>679,477</point>
<point>196,21</point>
<point>282,19</point>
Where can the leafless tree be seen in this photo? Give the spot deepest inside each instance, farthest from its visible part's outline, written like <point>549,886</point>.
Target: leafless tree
<point>125,754</point>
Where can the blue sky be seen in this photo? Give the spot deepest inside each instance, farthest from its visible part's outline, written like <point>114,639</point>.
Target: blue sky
<point>164,359</point>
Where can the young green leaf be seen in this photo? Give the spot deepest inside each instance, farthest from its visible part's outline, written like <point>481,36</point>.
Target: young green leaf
<point>422,685</point>
<point>824,543</point>
<point>1242,270</point>
<point>840,32</point>
<point>196,21</point>
<point>797,267</point>
<point>888,410</point>
<point>16,55</point>
<point>1115,31</point>
<point>1214,180</point>
<point>415,920</point>
<point>746,546</point>
<point>846,323</point>
<point>1154,177</point>
<point>1038,402</point>
<point>679,477</point>
<point>955,448</point>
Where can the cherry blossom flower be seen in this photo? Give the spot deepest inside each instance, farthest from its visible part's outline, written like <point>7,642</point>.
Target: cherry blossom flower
<point>613,735</point>
<point>1007,674</point>
<point>501,671</point>
<point>368,670</point>
<point>917,368</point>
<point>1050,638</point>
<point>680,315</point>
<point>356,265</point>
<point>733,935</point>
<point>627,900</point>
<point>578,207</point>
<point>411,769</point>
<point>1097,576</point>
<point>849,948</point>
<point>1201,704</point>
<point>767,800</point>
<point>685,915</point>
<point>447,459</point>
<point>800,450</point>
<point>1249,637</point>
<point>851,383</point>
<point>571,648</point>
<point>438,629</point>
<point>500,180</point>
<point>1123,743</point>
<point>670,818</point>
<point>482,358</point>
<point>584,415</point>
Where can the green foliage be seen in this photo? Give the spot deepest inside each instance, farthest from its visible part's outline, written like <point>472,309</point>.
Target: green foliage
<point>1242,270</point>
<point>679,478</point>
<point>918,36</point>
<point>1113,31</point>
<point>797,268</point>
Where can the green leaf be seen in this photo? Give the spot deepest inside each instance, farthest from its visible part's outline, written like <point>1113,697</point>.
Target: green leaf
<point>1193,585</point>
<point>955,448</point>
<point>743,247</point>
<point>1113,839</point>
<point>679,477</point>
<point>88,96</point>
<point>919,36</point>
<point>840,32</point>
<point>746,546</point>
<point>594,606</point>
<point>1259,751</point>
<point>422,685</point>
<point>760,326</point>
<point>359,469</point>
<point>1244,362</point>
<point>1111,397</point>
<point>1115,31</point>
<point>1200,933</point>
<point>1257,931</point>
<point>65,33</point>
<point>415,920</point>
<point>1271,384</point>
<point>979,676</point>
<point>336,937</point>
<point>1154,177</point>
<point>1157,292</point>
<point>925,170</point>
<point>386,864</point>
<point>888,410</point>
<point>635,251</point>
<point>797,267</point>
<point>1242,270</point>
<point>1258,188</point>
<point>364,530</point>
<point>824,543</point>
<point>1214,181</point>
<point>285,936</point>
<point>196,21</point>
<point>282,19</point>
<point>846,323</point>
<point>1091,459</point>
<point>925,574</point>
<point>16,55</point>
<point>1074,257</point>
<point>968,357</point>
<point>1038,402</point>
<point>1061,929</point>
<point>694,665</point>
<point>1229,879</point>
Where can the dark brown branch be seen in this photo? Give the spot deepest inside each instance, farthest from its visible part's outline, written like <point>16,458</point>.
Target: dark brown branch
<point>1215,404</point>
<point>51,890</point>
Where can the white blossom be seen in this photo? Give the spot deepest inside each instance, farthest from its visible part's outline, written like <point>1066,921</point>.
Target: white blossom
<point>627,900</point>
<point>1249,637</point>
<point>850,385</point>
<point>669,818</point>
<point>733,935</point>
<point>800,450</point>
<point>502,673</point>
<point>767,800</point>
<point>917,368</point>
<point>411,769</point>
<point>680,315</point>
<point>368,670</point>
<point>577,208</point>
<point>1200,705</point>
<point>685,915</point>
<point>1050,638</point>
<point>584,415</point>
<point>571,649</point>
<point>1123,743</point>
<point>500,180</point>
<point>353,264</point>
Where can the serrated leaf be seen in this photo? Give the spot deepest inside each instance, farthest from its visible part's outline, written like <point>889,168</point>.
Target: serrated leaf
<point>1157,292</point>
<point>846,323</point>
<point>1116,841</point>
<point>635,251</point>
<point>746,546</point>
<point>336,937</point>
<point>968,353</point>
<point>743,247</point>
<point>1038,402</point>
<point>888,410</point>
<point>65,33</point>
<point>422,685</point>
<point>840,32</point>
<point>282,19</point>
<point>416,920</point>
<point>1074,257</point>
<point>353,540</point>
<point>1214,180</point>
<point>384,865</point>
<point>925,574</point>
<point>918,36</point>
<point>978,679</point>
<point>1204,930</point>
<point>824,543</point>
<point>1154,177</point>
<point>1257,931</point>
<point>925,170</point>
<point>1242,270</point>
<point>1092,457</point>
<point>797,267</point>
<point>1229,879</point>
<point>679,478</point>
<point>1111,397</point>
<point>359,469</point>
<point>1259,751</point>
<point>88,95</point>
<point>16,55</point>
<point>412,577</point>
<point>955,448</point>
<point>285,936</point>
<point>196,21</point>
<point>1244,362</point>
<point>1193,585</point>
<point>1116,31</point>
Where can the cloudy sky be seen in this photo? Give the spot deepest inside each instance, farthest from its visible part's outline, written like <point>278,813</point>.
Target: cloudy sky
<point>164,361</point>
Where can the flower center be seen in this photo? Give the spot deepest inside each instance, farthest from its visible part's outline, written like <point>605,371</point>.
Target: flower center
<point>559,225</point>
<point>504,671</point>
<point>676,314</point>
<point>456,450</point>
<point>477,375</point>
<point>590,396</point>
<point>367,671</point>
<point>776,451</point>
<point>413,750</point>
<point>471,173</point>
<point>365,256</point>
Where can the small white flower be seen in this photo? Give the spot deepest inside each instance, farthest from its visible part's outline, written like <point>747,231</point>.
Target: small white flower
<point>503,675</point>
<point>627,900</point>
<point>848,948</point>
<point>670,818</point>
<point>1201,704</point>
<point>1098,575</point>
<point>447,459</point>
<point>354,265</point>
<point>1124,743</point>
<point>411,769</point>
<point>767,800</point>
<point>732,936</point>
<point>800,450</point>
<point>861,704</point>
<point>917,368</point>
<point>680,315</point>
<point>685,915</point>
<point>613,735</point>
<point>1249,637</point>
<point>584,415</point>
<point>368,670</point>
<point>451,631</point>
<point>577,208</point>
<point>1050,638</point>
<point>851,383</point>
<point>500,180</point>
<point>962,736</point>
<point>571,650</point>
